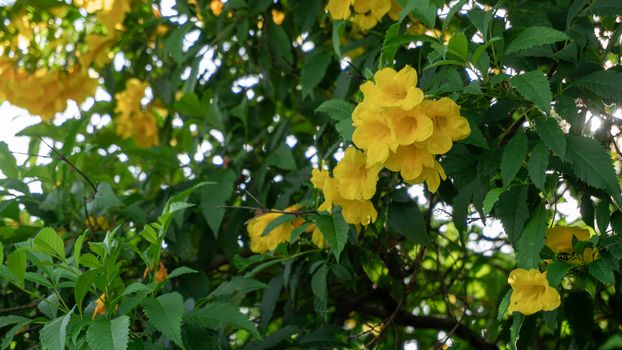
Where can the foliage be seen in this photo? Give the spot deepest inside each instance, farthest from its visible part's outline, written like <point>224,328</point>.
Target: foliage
<point>264,174</point>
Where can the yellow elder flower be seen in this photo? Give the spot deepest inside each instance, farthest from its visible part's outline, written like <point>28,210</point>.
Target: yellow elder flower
<point>216,7</point>
<point>355,180</point>
<point>358,212</point>
<point>278,17</point>
<point>281,233</point>
<point>338,9</point>
<point>373,133</point>
<point>410,161</point>
<point>449,125</point>
<point>318,239</point>
<point>431,175</point>
<point>369,12</point>
<point>393,89</point>
<point>531,292</point>
<point>411,125</point>
<point>559,239</point>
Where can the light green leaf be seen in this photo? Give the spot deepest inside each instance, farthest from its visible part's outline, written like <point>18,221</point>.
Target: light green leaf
<point>313,70</point>
<point>137,287</point>
<point>216,195</point>
<point>83,285</point>
<point>601,272</point>
<point>480,20</point>
<point>182,270</point>
<point>513,156</point>
<point>491,198</point>
<point>458,47</point>
<point>452,12</point>
<point>165,314</point>
<point>213,314</point>
<point>337,109</point>
<point>535,36</point>
<point>605,83</point>
<point>105,198</point>
<point>109,335</point>
<point>503,305</point>
<point>335,231</point>
<point>189,105</point>
<point>48,241</point>
<point>16,262</point>
<point>1,253</point>
<point>531,240</point>
<point>8,164</point>
<point>53,334</point>
<point>538,162</point>
<point>593,165</point>
<point>534,87</point>
<point>552,135</point>
<point>338,27</point>
<point>481,49</point>
<point>556,271</point>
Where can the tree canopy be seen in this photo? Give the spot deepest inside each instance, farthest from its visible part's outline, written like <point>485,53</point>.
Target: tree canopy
<point>270,174</point>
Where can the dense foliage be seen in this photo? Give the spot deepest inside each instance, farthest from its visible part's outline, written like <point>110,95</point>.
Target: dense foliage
<point>266,174</point>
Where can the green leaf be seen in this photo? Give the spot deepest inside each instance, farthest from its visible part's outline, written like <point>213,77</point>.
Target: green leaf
<point>593,165</point>
<point>19,324</point>
<point>8,164</point>
<point>182,270</point>
<point>538,162</point>
<point>491,198</point>
<point>216,195</point>
<point>423,10</point>
<point>53,334</point>
<point>609,8</point>
<point>313,70</point>
<point>1,253</point>
<point>48,241</point>
<point>338,27</point>
<point>458,47</point>
<point>282,158</point>
<point>280,45</point>
<point>552,135</point>
<point>105,198</point>
<point>602,215</point>
<point>236,285</point>
<point>256,7</point>
<point>576,306</point>
<point>174,43</point>
<point>335,231</point>
<point>83,285</point>
<point>531,240</point>
<point>452,12</point>
<point>604,83</point>
<point>281,219</point>
<point>165,314</point>
<point>534,87</point>
<point>503,305</point>
<point>320,291</point>
<point>213,314</point>
<point>407,220</point>
<point>336,109</point>
<point>109,335</point>
<point>480,20</point>
<point>274,339</point>
<point>513,211</point>
<point>517,323</point>
<point>535,36</point>
<point>16,262</point>
<point>269,299</point>
<point>388,52</point>
<point>189,105</point>
<point>556,271</point>
<point>513,156</point>
<point>601,272</point>
<point>482,48</point>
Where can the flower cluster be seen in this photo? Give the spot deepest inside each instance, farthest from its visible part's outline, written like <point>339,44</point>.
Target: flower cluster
<point>531,292</point>
<point>363,13</point>
<point>261,243</point>
<point>559,240</point>
<point>397,128</point>
<point>133,121</point>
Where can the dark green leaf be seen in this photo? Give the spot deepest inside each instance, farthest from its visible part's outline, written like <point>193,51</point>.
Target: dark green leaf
<point>109,335</point>
<point>538,162</point>
<point>513,156</point>
<point>577,305</point>
<point>605,83</point>
<point>282,158</point>
<point>215,195</point>
<point>531,240</point>
<point>165,314</point>
<point>269,300</point>
<point>313,70</point>
<point>281,219</point>
<point>458,47</point>
<point>8,165</point>
<point>513,211</point>
<point>407,220</point>
<point>335,231</point>
<point>601,272</point>
<point>552,135</point>
<point>213,315</point>
<point>534,87</point>
<point>556,271</point>
<point>535,36</point>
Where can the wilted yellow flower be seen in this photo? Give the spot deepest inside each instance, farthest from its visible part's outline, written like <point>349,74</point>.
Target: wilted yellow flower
<point>339,9</point>
<point>257,225</point>
<point>100,306</point>
<point>216,7</point>
<point>559,239</point>
<point>355,179</point>
<point>278,17</point>
<point>410,161</point>
<point>449,125</point>
<point>431,175</point>
<point>161,274</point>
<point>393,89</point>
<point>531,292</point>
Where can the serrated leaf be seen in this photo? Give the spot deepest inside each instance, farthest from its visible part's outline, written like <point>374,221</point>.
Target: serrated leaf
<point>593,165</point>
<point>480,20</point>
<point>48,241</point>
<point>53,334</point>
<point>538,162</point>
<point>320,291</point>
<point>214,314</point>
<point>531,240</point>
<point>282,158</point>
<point>491,198</point>
<point>458,46</point>
<point>513,211</point>
<point>313,70</point>
<point>609,8</point>
<point>605,83</point>
<point>236,285</point>
<point>513,156</point>
<point>280,45</point>
<point>556,271</point>
<point>182,270</point>
<point>335,231</point>
<point>552,135</point>
<point>407,220</point>
<point>8,164</point>
<point>336,109</point>
<point>452,12</point>
<point>281,219</point>
<point>503,305</point>
<point>165,314</point>
<point>215,195</point>
<point>601,272</point>
<point>269,300</point>
<point>388,52</point>
<point>602,215</point>
<point>535,36</point>
<point>109,335</point>
<point>16,262</point>
<point>534,87</point>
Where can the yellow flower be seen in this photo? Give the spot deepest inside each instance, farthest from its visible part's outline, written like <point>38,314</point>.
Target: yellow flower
<point>410,161</point>
<point>431,175</point>
<point>373,133</point>
<point>133,121</point>
<point>355,180</point>
<point>449,125</point>
<point>394,12</point>
<point>318,239</point>
<point>216,7</point>
<point>411,125</point>
<point>393,89</point>
<point>338,9</point>
<point>369,12</point>
<point>559,239</point>
<point>278,17</point>
<point>161,274</point>
<point>358,212</point>
<point>531,292</point>
<point>100,306</point>
<point>281,233</point>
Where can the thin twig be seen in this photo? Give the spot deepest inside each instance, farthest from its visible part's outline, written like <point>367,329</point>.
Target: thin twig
<point>255,199</point>
<point>64,159</point>
<point>18,308</point>
<point>34,155</point>
<point>266,210</point>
